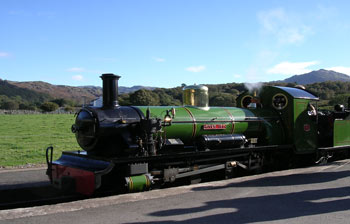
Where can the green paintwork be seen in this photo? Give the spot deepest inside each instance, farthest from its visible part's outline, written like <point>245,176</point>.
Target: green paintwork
<point>273,132</point>
<point>341,132</point>
<point>138,183</point>
<point>188,123</point>
<point>293,116</point>
<point>270,122</point>
<point>305,128</point>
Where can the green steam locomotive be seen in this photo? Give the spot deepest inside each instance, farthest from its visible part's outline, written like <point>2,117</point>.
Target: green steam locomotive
<point>144,146</point>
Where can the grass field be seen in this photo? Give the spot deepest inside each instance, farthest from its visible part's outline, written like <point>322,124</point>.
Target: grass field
<point>24,138</point>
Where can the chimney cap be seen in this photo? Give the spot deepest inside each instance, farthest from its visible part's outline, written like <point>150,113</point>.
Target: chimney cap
<point>110,75</point>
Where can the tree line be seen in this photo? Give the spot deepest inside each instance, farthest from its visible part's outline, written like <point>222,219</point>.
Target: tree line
<point>219,95</point>
<point>330,93</point>
<point>15,98</point>
<point>18,103</point>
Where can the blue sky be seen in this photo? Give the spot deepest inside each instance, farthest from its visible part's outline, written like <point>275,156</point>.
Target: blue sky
<point>167,43</point>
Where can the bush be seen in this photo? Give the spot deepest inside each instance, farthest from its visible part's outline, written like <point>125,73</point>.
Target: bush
<point>339,99</point>
<point>63,102</point>
<point>49,106</point>
<point>223,99</point>
<point>10,105</point>
<point>144,97</point>
<point>69,109</point>
<point>24,106</point>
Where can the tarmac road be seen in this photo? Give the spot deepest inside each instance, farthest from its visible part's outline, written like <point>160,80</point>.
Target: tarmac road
<point>319,194</point>
<point>12,179</point>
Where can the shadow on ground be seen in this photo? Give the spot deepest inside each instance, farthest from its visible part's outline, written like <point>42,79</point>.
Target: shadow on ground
<point>288,180</point>
<point>268,207</point>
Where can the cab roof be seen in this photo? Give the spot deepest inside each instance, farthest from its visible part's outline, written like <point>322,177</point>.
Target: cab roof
<point>298,93</point>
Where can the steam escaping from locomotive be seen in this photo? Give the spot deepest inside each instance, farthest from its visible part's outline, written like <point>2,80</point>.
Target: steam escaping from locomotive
<point>253,87</point>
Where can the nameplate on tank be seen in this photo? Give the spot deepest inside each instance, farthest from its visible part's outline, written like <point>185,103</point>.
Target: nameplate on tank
<point>214,126</point>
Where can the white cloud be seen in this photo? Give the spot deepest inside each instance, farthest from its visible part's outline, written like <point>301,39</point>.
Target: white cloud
<point>76,69</point>
<point>237,76</point>
<point>292,68</point>
<point>4,54</point>
<point>341,69</point>
<point>78,77</point>
<point>159,59</point>
<point>196,68</point>
<point>286,28</point>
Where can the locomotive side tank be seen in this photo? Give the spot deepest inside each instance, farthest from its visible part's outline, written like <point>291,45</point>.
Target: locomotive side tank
<point>190,123</point>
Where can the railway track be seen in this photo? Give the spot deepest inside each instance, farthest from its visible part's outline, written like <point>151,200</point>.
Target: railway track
<point>39,194</point>
<point>28,195</point>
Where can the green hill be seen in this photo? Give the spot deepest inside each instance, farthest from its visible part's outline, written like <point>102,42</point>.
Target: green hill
<point>12,91</point>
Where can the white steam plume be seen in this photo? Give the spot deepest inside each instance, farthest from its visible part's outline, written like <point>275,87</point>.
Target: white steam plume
<point>253,86</point>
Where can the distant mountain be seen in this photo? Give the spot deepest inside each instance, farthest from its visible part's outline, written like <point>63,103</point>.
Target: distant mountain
<point>321,75</point>
<point>10,90</point>
<point>123,89</point>
<point>77,94</point>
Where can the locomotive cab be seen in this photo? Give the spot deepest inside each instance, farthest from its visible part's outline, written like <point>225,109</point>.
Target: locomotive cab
<point>296,109</point>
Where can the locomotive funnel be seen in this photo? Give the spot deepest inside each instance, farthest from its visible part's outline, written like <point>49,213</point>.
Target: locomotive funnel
<point>110,90</point>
